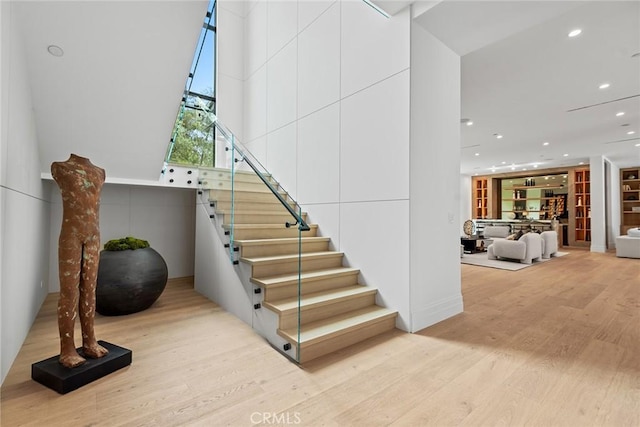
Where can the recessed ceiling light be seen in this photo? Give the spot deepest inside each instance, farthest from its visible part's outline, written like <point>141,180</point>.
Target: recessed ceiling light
<point>469,123</point>
<point>575,32</point>
<point>498,135</point>
<point>504,163</point>
<point>581,163</point>
<point>631,132</point>
<point>604,85</point>
<point>566,155</point>
<point>535,166</point>
<point>55,50</point>
<point>477,154</point>
<point>638,144</point>
<point>545,143</point>
<point>621,113</point>
<point>524,169</point>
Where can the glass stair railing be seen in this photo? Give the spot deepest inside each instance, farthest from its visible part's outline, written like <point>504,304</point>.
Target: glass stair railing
<point>304,301</point>
<point>266,231</point>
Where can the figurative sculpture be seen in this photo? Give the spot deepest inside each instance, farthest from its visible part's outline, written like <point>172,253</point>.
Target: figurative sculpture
<point>80,183</point>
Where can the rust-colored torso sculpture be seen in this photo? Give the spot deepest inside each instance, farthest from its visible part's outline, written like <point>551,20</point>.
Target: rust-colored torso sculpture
<point>80,183</point>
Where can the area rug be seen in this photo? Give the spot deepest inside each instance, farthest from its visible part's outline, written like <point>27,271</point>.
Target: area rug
<point>480,259</point>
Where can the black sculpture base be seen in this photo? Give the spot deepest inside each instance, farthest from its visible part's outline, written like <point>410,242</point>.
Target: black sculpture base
<point>52,374</point>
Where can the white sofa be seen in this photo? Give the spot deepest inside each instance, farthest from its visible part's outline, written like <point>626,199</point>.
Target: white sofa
<point>629,246</point>
<point>526,249</point>
<point>496,232</point>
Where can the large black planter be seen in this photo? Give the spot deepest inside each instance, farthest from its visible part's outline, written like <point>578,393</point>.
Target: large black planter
<point>129,281</point>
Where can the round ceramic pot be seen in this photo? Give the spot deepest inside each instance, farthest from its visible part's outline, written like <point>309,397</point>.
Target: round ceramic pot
<point>129,281</point>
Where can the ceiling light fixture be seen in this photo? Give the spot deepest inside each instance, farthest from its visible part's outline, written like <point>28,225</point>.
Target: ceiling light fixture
<point>621,113</point>
<point>565,155</point>
<point>545,143</point>
<point>604,85</point>
<point>638,144</point>
<point>535,166</point>
<point>55,50</point>
<point>631,132</point>
<point>504,163</point>
<point>498,135</point>
<point>469,123</point>
<point>581,163</point>
<point>477,154</point>
<point>575,32</point>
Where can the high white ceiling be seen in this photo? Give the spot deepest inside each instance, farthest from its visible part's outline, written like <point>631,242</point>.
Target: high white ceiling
<point>522,76</point>
<point>117,88</point>
<point>114,94</point>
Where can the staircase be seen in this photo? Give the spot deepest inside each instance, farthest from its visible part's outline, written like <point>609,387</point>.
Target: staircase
<point>331,310</point>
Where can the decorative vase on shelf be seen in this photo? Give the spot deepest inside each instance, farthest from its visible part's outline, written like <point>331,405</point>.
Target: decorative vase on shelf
<point>579,201</point>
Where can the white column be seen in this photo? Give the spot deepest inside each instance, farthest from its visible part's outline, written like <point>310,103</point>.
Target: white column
<point>597,188</point>
<point>435,192</point>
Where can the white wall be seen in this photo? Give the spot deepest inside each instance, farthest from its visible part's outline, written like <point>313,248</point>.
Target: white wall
<point>326,109</point>
<point>24,207</point>
<point>465,200</point>
<point>230,72</point>
<point>435,181</point>
<point>163,216</point>
<point>215,275</point>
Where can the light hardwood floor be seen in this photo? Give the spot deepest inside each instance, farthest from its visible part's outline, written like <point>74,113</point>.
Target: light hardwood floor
<point>556,344</point>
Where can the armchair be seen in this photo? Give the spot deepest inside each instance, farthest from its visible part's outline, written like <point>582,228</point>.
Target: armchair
<point>527,249</point>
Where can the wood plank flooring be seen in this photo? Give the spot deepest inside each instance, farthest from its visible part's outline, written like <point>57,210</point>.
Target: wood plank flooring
<point>556,344</point>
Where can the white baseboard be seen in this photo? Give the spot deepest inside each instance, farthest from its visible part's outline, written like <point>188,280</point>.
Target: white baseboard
<point>436,312</point>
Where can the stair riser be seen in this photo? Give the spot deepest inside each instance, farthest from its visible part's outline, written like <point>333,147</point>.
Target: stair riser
<point>265,218</point>
<point>282,249</point>
<point>290,320</point>
<point>271,233</point>
<point>314,350</point>
<point>274,293</point>
<point>275,269</point>
<point>243,196</point>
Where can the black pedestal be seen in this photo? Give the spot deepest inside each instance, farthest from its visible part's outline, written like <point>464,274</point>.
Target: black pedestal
<point>52,374</point>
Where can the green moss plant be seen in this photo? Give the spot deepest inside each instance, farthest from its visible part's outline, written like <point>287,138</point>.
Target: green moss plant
<point>125,243</point>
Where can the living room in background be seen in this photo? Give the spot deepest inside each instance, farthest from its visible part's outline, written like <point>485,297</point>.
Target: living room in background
<point>554,198</point>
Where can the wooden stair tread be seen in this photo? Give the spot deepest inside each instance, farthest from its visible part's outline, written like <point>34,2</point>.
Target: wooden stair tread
<point>288,279</point>
<point>319,298</point>
<point>282,240</point>
<point>287,258</point>
<point>325,329</point>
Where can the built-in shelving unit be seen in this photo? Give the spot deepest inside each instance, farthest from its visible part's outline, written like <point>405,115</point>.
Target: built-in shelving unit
<point>582,205</point>
<point>480,198</point>
<point>541,198</point>
<point>629,199</point>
